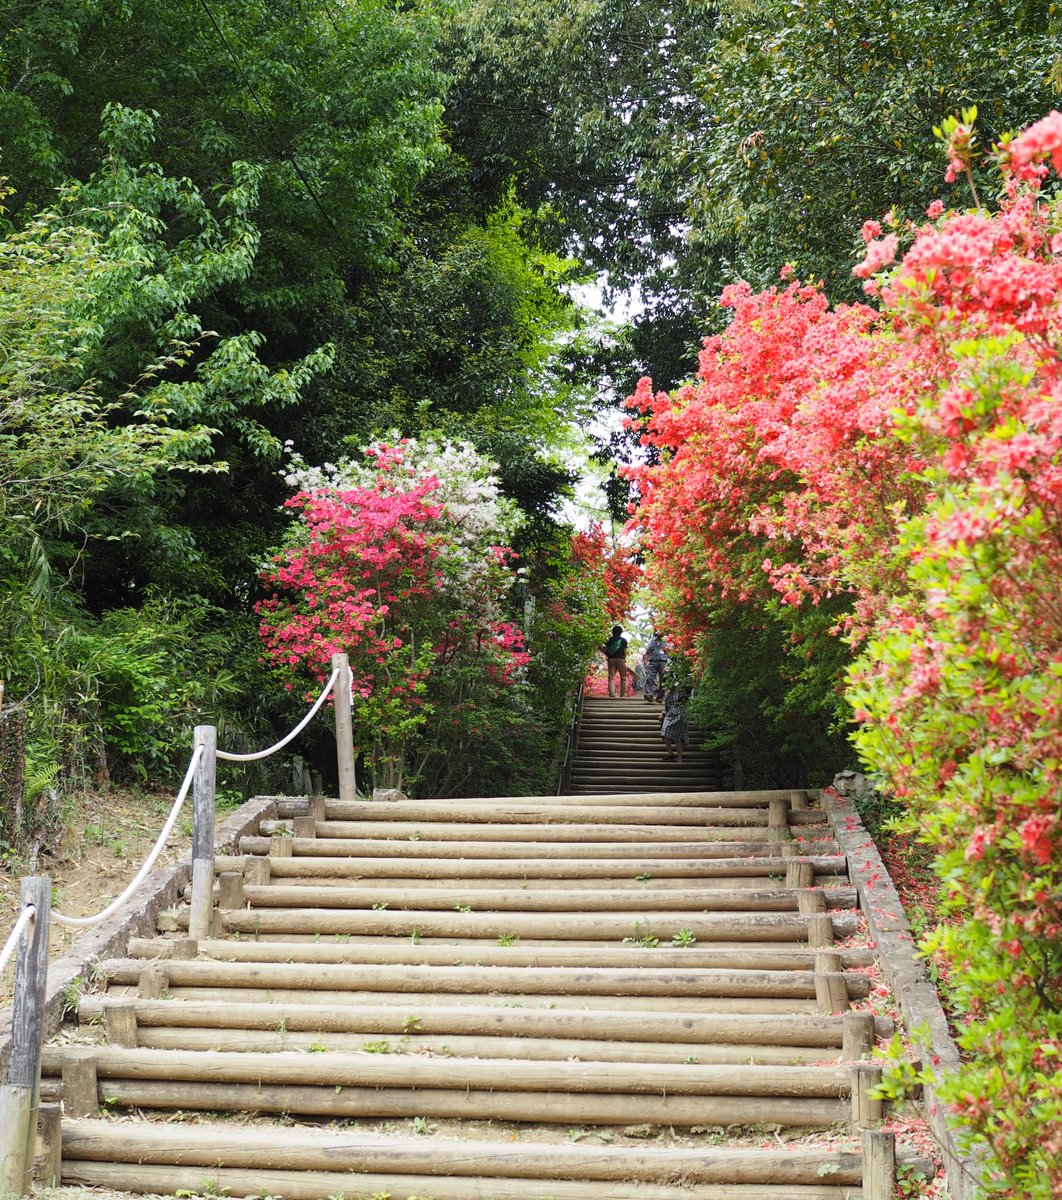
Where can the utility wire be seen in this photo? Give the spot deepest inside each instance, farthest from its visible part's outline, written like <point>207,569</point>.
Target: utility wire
<point>269,120</point>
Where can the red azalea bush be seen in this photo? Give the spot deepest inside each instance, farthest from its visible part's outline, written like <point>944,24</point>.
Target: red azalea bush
<point>615,565</point>
<point>400,573</point>
<point>904,465</point>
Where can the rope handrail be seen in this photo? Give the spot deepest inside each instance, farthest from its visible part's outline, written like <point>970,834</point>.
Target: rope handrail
<point>569,741</point>
<point>167,829</point>
<point>149,862</point>
<point>230,757</point>
<point>25,917</point>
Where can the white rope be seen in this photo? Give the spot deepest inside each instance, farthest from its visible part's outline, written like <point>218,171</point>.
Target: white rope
<point>149,862</point>
<point>25,918</point>
<point>294,733</point>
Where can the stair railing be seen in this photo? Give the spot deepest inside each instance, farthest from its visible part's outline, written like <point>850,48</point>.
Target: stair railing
<point>571,743</point>
<point>20,1095</point>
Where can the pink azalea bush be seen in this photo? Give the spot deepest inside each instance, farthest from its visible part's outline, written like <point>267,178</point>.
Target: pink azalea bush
<point>396,566</point>
<point>899,464</point>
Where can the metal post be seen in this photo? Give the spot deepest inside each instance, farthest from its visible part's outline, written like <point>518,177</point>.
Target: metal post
<point>348,789</point>
<point>20,1096</point>
<point>204,786</point>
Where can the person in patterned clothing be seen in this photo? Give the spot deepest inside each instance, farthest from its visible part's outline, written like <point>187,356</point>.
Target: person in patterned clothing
<point>655,659</point>
<point>673,727</point>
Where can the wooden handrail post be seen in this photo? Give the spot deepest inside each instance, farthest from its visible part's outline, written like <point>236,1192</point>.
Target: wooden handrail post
<point>348,789</point>
<point>879,1164</point>
<point>204,786</point>
<point>20,1096</point>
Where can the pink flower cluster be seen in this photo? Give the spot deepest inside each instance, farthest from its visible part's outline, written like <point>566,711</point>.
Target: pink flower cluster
<point>905,464</point>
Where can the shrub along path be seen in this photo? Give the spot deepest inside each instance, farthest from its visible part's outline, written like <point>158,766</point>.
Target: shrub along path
<point>624,995</point>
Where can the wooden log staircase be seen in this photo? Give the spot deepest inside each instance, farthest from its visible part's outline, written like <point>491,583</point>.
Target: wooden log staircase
<point>627,995</point>
<point>619,751</point>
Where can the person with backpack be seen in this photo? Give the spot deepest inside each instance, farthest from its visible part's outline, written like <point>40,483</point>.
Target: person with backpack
<point>615,651</point>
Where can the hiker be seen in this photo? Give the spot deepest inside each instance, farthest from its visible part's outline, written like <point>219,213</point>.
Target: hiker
<point>655,659</point>
<point>637,676</point>
<point>615,651</point>
<point>673,727</point>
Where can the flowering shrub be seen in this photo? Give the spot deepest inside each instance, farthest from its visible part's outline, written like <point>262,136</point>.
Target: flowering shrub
<point>899,469</point>
<point>615,565</point>
<point>400,568</point>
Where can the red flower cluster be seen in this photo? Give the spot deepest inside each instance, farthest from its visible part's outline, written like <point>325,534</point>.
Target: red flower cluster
<point>615,565</point>
<point>364,572</point>
<point>908,459</point>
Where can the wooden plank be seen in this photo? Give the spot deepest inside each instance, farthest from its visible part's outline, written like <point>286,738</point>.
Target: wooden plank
<point>373,1070</point>
<point>445,831</point>
<point>794,958</point>
<point>577,900</point>
<point>426,846</point>
<point>526,813</point>
<point>772,927</point>
<point>696,799</point>
<point>286,1149</point>
<point>809,1029</point>
<point>539,1049</point>
<point>314,1185</point>
<point>604,1006</point>
<point>563,1108</point>
<point>569,981</point>
<point>588,869</point>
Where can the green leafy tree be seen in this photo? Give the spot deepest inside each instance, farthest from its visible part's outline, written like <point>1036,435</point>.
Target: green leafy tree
<point>822,114</point>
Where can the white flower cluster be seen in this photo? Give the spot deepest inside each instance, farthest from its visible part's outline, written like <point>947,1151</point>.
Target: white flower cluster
<point>476,515</point>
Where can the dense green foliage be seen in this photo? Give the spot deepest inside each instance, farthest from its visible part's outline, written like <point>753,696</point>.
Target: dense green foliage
<point>823,115</point>
<point>270,241</point>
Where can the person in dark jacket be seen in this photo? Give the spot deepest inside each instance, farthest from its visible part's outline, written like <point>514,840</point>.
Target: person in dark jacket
<point>615,651</point>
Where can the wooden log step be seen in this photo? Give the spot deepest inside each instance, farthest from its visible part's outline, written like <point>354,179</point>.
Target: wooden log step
<point>544,887</point>
<point>473,883</point>
<point>572,814</point>
<point>603,927</point>
<point>231,891</point>
<point>603,1005</point>
<point>632,899</point>
<point>353,1151</point>
<point>810,1029</point>
<point>449,1045</point>
<point>429,848</point>
<point>313,1185</point>
<point>644,756</point>
<point>588,869</point>
<point>561,1108</point>
<point>468,943</point>
<point>565,981</point>
<point>348,810</point>
<point>491,954</point>
<point>444,831</point>
<point>592,787</point>
<point>520,1075</point>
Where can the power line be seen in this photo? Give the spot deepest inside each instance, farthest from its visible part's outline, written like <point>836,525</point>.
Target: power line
<point>269,120</point>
